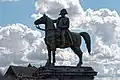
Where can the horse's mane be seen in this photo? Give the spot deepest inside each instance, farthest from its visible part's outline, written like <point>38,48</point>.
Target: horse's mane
<point>49,19</point>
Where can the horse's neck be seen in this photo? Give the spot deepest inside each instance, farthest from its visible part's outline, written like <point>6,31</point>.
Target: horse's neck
<point>49,24</point>
<point>49,29</point>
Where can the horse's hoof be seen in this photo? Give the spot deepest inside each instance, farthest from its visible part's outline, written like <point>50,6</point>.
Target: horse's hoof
<point>79,64</point>
<point>49,65</point>
<point>46,65</point>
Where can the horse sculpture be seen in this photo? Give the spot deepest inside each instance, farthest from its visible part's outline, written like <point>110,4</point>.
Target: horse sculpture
<point>52,43</point>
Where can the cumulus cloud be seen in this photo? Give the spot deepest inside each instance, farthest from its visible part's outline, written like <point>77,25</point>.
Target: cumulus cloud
<point>104,27</point>
<point>17,41</point>
<point>53,7</point>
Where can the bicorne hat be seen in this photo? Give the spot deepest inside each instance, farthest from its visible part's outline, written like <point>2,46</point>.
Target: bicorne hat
<point>63,11</point>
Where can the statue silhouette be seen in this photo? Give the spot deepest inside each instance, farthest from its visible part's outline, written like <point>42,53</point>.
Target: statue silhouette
<point>53,41</point>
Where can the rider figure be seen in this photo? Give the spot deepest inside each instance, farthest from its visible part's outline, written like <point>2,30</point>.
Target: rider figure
<point>62,24</point>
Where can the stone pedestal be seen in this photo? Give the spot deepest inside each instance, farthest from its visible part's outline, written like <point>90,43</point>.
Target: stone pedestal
<point>65,73</point>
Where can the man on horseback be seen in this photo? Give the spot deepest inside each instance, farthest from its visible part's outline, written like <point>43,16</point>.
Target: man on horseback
<point>62,24</point>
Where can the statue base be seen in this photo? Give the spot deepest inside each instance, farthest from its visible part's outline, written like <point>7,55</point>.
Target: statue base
<point>65,73</point>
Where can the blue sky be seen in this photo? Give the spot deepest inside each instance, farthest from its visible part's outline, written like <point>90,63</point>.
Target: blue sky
<point>17,12</point>
<point>97,4</point>
<point>20,11</point>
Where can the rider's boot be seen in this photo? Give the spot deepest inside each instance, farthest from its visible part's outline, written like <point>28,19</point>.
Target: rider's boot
<point>62,40</point>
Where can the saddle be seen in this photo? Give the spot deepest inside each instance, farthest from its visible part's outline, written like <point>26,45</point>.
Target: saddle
<point>69,38</point>
<point>58,41</point>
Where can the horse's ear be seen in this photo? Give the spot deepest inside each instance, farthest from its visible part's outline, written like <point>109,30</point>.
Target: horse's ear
<point>44,14</point>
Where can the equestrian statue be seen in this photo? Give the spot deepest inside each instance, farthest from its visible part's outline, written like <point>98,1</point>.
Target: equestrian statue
<point>61,37</point>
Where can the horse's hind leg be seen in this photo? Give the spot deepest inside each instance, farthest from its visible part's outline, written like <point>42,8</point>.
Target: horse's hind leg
<point>79,54</point>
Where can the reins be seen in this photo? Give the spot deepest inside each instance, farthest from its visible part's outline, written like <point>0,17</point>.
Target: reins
<point>37,26</point>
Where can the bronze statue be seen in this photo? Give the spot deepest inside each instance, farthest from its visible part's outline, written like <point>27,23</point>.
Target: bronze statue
<point>53,37</point>
<point>62,24</point>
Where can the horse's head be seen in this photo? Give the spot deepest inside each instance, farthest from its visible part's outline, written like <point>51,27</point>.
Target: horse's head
<point>45,20</point>
<point>41,20</point>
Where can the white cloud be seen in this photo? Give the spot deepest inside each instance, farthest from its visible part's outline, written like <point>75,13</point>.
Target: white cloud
<point>53,7</point>
<point>16,42</point>
<point>103,25</point>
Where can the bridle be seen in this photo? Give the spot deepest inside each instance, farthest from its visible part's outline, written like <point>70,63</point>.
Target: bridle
<point>37,26</point>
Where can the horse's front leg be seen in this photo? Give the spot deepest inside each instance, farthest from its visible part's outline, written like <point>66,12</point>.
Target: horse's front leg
<point>53,53</point>
<point>49,58</point>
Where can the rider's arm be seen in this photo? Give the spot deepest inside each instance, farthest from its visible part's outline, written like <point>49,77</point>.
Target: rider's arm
<point>56,20</point>
<point>66,26</point>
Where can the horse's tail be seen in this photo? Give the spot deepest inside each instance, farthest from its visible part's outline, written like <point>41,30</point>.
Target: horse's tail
<point>87,39</point>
